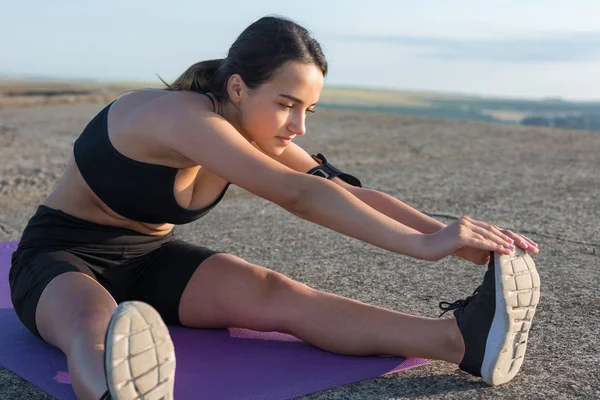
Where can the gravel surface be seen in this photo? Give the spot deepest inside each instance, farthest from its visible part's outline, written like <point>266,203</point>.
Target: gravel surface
<point>541,181</point>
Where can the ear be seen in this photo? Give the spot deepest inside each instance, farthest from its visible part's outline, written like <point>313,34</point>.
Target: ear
<point>236,88</point>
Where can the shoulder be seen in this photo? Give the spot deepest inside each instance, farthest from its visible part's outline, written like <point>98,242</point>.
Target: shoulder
<point>157,108</point>
<point>166,113</point>
<point>186,104</point>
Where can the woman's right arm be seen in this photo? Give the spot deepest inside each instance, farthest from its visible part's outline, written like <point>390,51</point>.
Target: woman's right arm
<point>214,143</point>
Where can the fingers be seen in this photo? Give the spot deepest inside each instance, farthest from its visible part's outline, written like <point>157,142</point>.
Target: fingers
<point>506,235</point>
<point>487,244</point>
<point>493,233</point>
<point>527,240</point>
<point>493,237</point>
<point>500,232</point>
<point>481,235</point>
<point>524,242</point>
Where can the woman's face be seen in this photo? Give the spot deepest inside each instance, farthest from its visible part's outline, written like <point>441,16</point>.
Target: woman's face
<point>275,112</point>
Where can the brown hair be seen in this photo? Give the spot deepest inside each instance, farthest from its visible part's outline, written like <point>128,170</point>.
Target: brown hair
<point>256,54</point>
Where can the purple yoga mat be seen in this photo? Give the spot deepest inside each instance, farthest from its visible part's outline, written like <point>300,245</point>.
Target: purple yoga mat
<point>211,364</point>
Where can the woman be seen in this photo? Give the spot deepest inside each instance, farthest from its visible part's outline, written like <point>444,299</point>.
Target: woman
<point>156,158</point>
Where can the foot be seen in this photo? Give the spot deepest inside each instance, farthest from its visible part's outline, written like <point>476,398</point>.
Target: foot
<point>495,320</point>
<point>139,354</point>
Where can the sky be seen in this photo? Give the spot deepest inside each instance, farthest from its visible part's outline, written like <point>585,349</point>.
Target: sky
<point>520,49</point>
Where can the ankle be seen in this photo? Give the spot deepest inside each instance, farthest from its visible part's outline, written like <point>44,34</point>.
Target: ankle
<point>456,343</point>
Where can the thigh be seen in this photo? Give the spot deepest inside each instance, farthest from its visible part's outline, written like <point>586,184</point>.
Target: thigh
<point>50,289</point>
<point>162,277</point>
<point>227,291</point>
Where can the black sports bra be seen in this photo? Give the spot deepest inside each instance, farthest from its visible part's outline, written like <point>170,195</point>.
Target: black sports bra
<point>136,190</point>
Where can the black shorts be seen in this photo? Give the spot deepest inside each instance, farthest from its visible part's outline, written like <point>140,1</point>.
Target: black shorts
<point>130,265</point>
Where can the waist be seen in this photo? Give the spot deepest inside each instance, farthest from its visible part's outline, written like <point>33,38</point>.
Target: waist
<point>49,227</point>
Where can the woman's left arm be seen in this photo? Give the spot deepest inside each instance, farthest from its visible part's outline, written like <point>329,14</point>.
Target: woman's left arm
<point>396,209</point>
<point>296,158</point>
<point>415,219</point>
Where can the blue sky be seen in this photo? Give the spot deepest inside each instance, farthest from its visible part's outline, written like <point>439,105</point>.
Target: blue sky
<point>531,49</point>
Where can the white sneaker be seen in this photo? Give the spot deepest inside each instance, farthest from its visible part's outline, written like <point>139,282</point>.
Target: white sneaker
<point>139,354</point>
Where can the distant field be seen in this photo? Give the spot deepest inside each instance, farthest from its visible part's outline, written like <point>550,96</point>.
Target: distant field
<point>16,93</point>
<point>552,112</point>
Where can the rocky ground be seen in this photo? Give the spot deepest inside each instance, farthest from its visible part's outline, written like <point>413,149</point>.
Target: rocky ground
<point>543,182</point>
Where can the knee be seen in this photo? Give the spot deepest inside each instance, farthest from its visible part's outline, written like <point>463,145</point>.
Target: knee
<point>70,306</point>
<point>278,296</point>
<point>89,326</point>
<point>85,325</point>
<point>276,287</point>
<point>92,317</point>
<point>274,306</point>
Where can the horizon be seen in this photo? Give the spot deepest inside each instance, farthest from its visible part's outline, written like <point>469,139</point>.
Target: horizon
<point>511,50</point>
<point>82,81</point>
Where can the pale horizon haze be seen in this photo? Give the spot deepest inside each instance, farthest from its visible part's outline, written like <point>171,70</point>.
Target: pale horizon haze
<point>519,49</point>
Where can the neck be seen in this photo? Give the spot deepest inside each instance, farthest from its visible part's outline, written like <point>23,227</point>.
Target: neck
<point>231,114</point>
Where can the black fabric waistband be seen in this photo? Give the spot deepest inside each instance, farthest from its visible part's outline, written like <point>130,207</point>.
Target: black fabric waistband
<point>55,228</point>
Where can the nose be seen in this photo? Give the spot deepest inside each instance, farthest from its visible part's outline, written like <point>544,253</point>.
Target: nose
<point>297,125</point>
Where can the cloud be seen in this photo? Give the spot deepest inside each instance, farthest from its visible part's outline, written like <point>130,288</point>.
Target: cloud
<point>550,48</point>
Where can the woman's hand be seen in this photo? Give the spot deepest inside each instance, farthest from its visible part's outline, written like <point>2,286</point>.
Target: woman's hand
<point>522,241</point>
<point>482,257</point>
<point>473,240</point>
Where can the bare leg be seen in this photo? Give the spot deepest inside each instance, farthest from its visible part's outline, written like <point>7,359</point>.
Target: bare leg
<point>350,327</point>
<point>73,315</point>
<point>226,291</point>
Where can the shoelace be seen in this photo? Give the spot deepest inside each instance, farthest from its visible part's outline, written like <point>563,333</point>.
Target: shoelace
<point>462,303</point>
<point>106,396</point>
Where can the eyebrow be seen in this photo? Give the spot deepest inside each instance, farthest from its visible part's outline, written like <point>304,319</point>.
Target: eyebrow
<point>293,98</point>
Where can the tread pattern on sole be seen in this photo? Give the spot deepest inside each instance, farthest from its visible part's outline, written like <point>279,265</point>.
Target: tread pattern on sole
<point>140,357</point>
<point>521,292</point>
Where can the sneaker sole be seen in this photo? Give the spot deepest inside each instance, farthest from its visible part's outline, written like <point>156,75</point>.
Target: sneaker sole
<point>517,295</point>
<point>139,354</point>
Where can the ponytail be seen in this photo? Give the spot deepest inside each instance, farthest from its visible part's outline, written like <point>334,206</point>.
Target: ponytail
<point>256,54</point>
<point>197,78</point>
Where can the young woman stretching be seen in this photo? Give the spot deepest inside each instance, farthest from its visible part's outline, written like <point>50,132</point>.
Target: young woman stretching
<point>98,270</point>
